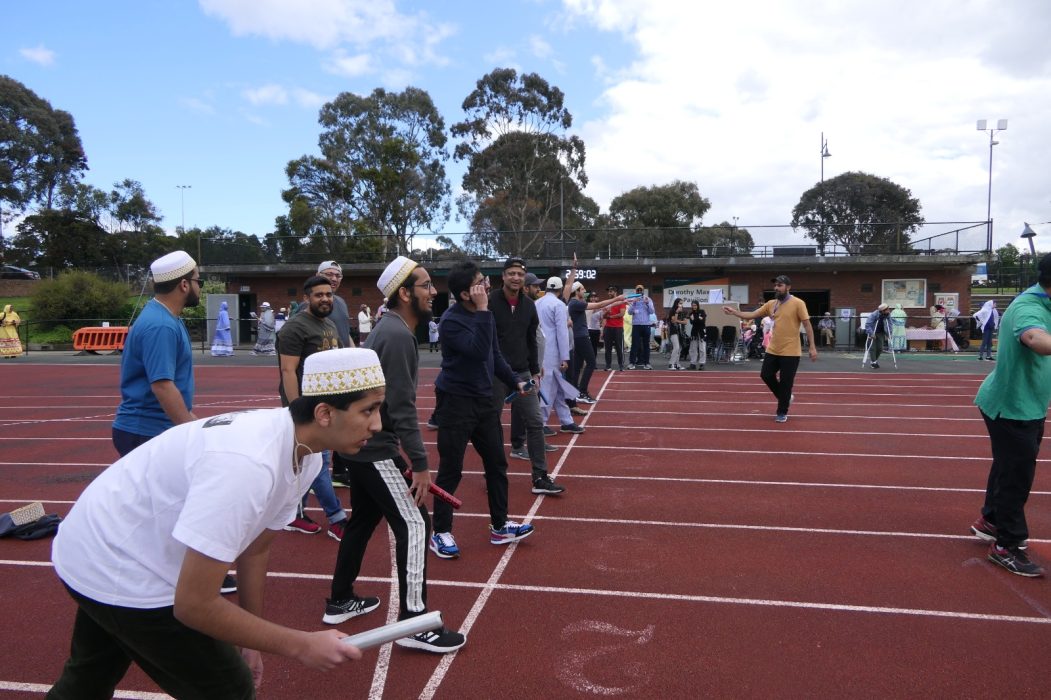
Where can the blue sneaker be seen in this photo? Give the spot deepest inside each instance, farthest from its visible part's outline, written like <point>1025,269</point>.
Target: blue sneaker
<point>510,532</point>
<point>443,544</point>
<point>781,418</point>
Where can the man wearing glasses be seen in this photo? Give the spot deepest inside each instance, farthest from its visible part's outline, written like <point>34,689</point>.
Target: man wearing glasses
<point>643,316</point>
<point>156,368</point>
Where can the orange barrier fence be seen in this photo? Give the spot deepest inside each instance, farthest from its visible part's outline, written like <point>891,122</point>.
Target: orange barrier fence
<point>94,339</point>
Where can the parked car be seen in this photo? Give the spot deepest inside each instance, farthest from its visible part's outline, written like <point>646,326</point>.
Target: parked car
<point>12,272</point>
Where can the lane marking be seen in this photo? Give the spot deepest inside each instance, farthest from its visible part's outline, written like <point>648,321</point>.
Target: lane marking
<point>43,688</point>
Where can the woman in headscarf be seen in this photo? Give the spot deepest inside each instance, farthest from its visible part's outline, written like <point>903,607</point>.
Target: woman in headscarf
<point>264,344</point>
<point>988,319</point>
<point>222,344</point>
<point>10,344</point>
<point>898,341</point>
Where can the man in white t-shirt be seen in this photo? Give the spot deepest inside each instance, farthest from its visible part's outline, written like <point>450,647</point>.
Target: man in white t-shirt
<point>145,547</point>
<point>364,322</point>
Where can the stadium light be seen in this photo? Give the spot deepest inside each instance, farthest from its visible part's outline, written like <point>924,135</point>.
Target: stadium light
<point>1029,233</point>
<point>824,154</point>
<point>983,125</point>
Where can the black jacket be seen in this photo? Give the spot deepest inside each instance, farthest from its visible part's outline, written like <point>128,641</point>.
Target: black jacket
<point>516,331</point>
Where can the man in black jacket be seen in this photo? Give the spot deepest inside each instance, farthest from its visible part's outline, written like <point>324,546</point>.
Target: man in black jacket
<point>516,327</point>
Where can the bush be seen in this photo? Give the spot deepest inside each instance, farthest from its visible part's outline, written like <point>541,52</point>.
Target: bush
<point>78,295</point>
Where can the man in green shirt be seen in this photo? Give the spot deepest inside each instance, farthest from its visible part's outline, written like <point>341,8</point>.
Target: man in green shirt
<point>1013,401</point>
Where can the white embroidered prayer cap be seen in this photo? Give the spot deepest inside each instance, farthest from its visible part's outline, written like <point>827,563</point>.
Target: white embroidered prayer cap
<point>172,266</point>
<point>342,371</point>
<point>395,274</point>
<point>265,305</point>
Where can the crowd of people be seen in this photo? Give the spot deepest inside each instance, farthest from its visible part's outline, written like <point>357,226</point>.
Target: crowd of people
<point>146,552</point>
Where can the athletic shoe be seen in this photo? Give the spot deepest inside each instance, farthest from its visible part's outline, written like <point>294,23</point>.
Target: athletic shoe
<point>631,366</point>
<point>588,399</point>
<point>1014,560</point>
<point>700,368</point>
<point>605,369</point>
<point>520,453</point>
<point>510,532</point>
<point>441,641</point>
<point>693,366</point>
<point>571,428</point>
<point>546,486</point>
<point>304,524</point>
<point>549,447</point>
<point>781,418</point>
<point>431,425</point>
<point>578,411</point>
<point>335,530</point>
<point>647,366</point>
<point>229,585</point>
<point>550,432</point>
<point>341,479</point>
<point>622,368</point>
<point>875,365</point>
<point>339,611</point>
<point>986,531</point>
<point>443,544</point>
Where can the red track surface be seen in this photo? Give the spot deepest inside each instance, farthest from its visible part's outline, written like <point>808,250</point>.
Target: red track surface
<point>701,550</point>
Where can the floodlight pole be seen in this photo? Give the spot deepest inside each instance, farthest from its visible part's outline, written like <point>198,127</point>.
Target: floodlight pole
<point>182,206</point>
<point>1001,125</point>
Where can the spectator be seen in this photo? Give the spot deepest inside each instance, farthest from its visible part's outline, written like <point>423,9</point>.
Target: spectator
<point>340,315</point>
<point>698,345</point>
<point>10,343</point>
<point>643,317</point>
<point>877,328</point>
<point>675,324</point>
<point>364,322</point>
<point>264,343</point>
<point>988,320</point>
<point>613,330</point>
<point>827,328</point>
<point>222,344</point>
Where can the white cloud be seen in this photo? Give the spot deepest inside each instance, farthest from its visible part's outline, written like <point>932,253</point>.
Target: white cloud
<point>540,47</point>
<point>355,34</point>
<point>308,99</point>
<point>270,94</point>
<point>735,97</point>
<point>198,105</point>
<point>39,55</point>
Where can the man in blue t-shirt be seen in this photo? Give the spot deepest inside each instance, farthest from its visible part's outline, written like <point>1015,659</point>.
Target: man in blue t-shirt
<point>156,370</point>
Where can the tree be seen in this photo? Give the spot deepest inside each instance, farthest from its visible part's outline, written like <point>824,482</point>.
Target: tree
<point>381,171</point>
<point>658,220</point>
<point>129,207</point>
<point>859,211</point>
<point>40,149</point>
<point>525,175</point>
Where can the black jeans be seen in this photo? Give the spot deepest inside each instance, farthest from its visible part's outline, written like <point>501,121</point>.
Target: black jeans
<point>781,386</point>
<point>1015,445</point>
<point>125,442</point>
<point>583,363</point>
<point>379,490</point>
<point>182,661</point>
<point>463,419</point>
<point>640,344</point>
<point>613,338</point>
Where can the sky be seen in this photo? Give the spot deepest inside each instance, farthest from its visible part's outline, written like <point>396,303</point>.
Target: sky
<point>220,94</point>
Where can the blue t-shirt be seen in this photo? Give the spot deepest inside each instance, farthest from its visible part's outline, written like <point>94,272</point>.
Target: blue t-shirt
<point>578,315</point>
<point>157,348</point>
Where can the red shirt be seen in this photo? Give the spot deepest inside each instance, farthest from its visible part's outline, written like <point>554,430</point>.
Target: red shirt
<point>615,322</point>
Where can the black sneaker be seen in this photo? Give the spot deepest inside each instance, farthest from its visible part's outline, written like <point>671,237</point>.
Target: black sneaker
<point>586,398</point>
<point>550,432</point>
<point>546,486</point>
<point>341,611</point>
<point>571,428</point>
<point>229,585</point>
<point>1014,560</point>
<point>875,365</point>
<point>341,479</point>
<point>441,641</point>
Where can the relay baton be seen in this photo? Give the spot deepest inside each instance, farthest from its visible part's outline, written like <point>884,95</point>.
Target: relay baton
<point>528,386</point>
<point>633,296</point>
<point>440,493</point>
<point>396,630</point>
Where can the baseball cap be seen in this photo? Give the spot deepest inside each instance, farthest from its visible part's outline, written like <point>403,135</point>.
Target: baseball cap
<point>514,261</point>
<point>328,264</point>
<point>781,279</point>
<point>532,280</point>
<point>576,286</point>
<point>554,283</point>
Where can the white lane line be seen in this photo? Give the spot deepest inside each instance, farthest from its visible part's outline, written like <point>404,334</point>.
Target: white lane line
<point>42,688</point>
<point>379,675</point>
<point>795,453</point>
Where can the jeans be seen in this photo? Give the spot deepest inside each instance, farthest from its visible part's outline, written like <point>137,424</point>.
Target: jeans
<point>986,348</point>
<point>527,422</point>
<point>583,363</point>
<point>781,387</point>
<point>125,442</point>
<point>640,344</point>
<point>698,351</point>
<point>613,338</point>
<point>463,419</point>
<point>325,493</point>
<point>1015,445</point>
<point>676,351</point>
<point>182,661</point>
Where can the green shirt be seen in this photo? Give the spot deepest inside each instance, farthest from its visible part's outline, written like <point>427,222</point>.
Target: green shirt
<point>1020,386</point>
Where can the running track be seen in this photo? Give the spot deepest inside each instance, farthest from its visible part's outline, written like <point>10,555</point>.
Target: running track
<point>701,550</point>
